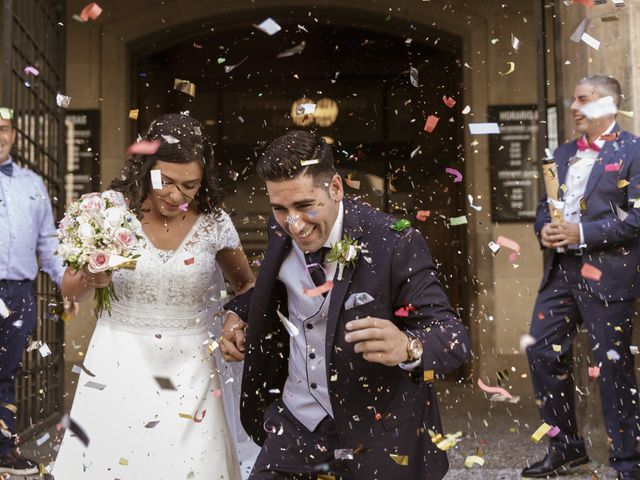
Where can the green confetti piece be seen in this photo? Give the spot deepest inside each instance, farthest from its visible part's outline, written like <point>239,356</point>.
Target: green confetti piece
<point>462,220</point>
<point>401,225</point>
<point>221,60</point>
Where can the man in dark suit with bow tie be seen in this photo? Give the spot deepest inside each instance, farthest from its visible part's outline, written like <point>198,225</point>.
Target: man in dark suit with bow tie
<point>591,277</point>
<point>337,380</point>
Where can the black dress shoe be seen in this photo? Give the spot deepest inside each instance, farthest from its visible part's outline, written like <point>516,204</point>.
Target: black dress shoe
<point>14,463</point>
<point>555,462</point>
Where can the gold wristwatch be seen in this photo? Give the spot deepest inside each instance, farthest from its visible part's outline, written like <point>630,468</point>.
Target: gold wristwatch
<point>414,349</point>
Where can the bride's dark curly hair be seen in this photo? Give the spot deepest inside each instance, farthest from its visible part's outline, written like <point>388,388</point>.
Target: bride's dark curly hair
<point>134,181</point>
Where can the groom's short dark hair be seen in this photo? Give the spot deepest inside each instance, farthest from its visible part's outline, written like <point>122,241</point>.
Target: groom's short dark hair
<point>298,152</point>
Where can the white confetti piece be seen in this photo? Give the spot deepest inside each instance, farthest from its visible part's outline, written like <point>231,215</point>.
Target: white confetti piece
<point>96,385</point>
<point>495,248</point>
<point>413,76</point>
<point>4,310</point>
<point>602,107</point>
<point>169,139</point>
<point>269,26</point>
<point>305,108</point>
<point>589,40</point>
<point>483,128</point>
<point>43,439</point>
<point>62,100</point>
<point>156,179</point>
<point>291,328</point>
<point>577,35</point>
<point>44,350</point>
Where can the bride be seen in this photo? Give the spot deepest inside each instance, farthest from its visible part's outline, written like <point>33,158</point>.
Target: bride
<point>149,396</point>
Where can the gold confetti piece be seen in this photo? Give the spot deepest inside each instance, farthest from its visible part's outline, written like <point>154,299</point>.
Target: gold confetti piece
<point>133,114</point>
<point>123,461</point>
<point>583,204</point>
<point>326,477</point>
<point>626,113</point>
<point>184,86</point>
<point>306,163</point>
<point>512,68</point>
<point>618,328</point>
<point>429,375</point>
<point>540,432</point>
<point>11,407</point>
<point>623,183</point>
<point>185,415</point>
<point>556,348</point>
<point>400,459</point>
<point>471,459</point>
<point>563,187</point>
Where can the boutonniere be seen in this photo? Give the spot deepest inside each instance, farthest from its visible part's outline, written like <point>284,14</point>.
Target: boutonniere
<point>346,252</point>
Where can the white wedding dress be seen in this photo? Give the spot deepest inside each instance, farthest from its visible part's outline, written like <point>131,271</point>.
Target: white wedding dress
<point>158,332</point>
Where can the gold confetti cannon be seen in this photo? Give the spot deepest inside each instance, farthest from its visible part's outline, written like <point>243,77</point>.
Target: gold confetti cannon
<point>552,186</point>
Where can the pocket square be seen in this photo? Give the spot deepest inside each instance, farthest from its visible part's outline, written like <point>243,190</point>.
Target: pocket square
<point>357,299</point>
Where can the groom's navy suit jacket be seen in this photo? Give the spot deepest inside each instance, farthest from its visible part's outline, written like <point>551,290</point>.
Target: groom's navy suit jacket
<point>612,244</point>
<point>401,272</point>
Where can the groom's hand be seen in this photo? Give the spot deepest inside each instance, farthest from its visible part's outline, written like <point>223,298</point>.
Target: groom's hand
<point>379,340</point>
<point>232,340</point>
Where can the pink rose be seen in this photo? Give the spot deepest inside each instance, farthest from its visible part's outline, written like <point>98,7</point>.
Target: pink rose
<point>92,203</point>
<point>98,262</point>
<point>124,238</point>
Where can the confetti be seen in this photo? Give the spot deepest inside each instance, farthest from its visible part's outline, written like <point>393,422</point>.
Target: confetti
<point>413,76</point>
<point>306,163</point>
<point>229,68</point>
<point>431,123</point>
<point>186,416</point>
<point>483,128</point>
<point>4,310</point>
<point>189,261</point>
<point>31,71</point>
<point>156,179</point>
<point>416,151</point>
<point>40,441</point>
<point>143,147</point>
<point>497,397</point>
<point>315,292</point>
<point>590,272</point>
<point>448,101</point>
<point>634,350</point>
<point>68,423</point>
<point>589,40</point>
<point>90,11</point>
<point>44,350</point>
<point>422,215</point>
<point>510,70</point>
<point>6,113</point>
<point>455,173</point>
<point>526,341</point>
<point>133,113</point>
<point>123,461</point>
<point>96,385</point>
<point>556,348</point>
<point>488,389</point>
<point>576,36</point>
<point>401,225</point>
<point>170,139</point>
<point>594,372</point>
<point>292,330</point>
<point>446,442</point>
<point>62,100</point>
<point>475,207</point>
<point>508,243</point>
<point>553,432</point>
<point>199,420</point>
<point>400,459</point>
<point>217,393</point>
<point>612,167</point>
<point>494,247</point>
<point>343,454</point>
<point>515,42</point>
<point>183,207</point>
<point>306,109</point>
<point>184,86</point>
<point>623,183</point>
<point>613,355</point>
<point>152,424</point>
<point>269,26</point>
<point>602,107</point>
<point>164,383</point>
<point>473,459</point>
<point>293,51</point>
<point>428,376</point>
<point>466,110</point>
<point>540,432</point>
<point>461,220</point>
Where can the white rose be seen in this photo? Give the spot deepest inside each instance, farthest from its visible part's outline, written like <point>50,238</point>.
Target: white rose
<point>86,232</point>
<point>113,216</point>
<point>92,203</point>
<point>116,199</point>
<point>134,224</point>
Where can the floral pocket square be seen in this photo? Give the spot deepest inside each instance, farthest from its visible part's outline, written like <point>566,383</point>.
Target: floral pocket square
<point>357,299</point>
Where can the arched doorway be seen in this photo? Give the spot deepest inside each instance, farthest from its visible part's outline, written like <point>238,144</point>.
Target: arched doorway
<point>245,91</point>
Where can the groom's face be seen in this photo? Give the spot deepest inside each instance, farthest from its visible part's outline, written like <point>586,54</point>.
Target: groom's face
<point>305,209</point>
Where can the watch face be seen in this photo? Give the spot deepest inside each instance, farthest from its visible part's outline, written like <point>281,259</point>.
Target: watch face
<point>416,349</point>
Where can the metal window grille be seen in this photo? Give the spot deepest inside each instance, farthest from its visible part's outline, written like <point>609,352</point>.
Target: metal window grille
<point>33,35</point>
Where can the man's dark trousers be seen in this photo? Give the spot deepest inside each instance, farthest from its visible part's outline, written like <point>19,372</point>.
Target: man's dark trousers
<point>19,297</point>
<point>562,304</point>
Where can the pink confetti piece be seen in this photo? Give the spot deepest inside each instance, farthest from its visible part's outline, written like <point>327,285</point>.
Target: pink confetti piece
<point>448,101</point>
<point>590,272</point>
<point>198,420</point>
<point>508,243</point>
<point>455,173</point>
<point>143,147</point>
<point>184,207</point>
<point>422,215</point>
<point>594,372</point>
<point>513,256</point>
<point>488,389</point>
<point>314,292</point>
<point>190,261</point>
<point>31,71</point>
<point>217,393</point>
<point>554,431</point>
<point>612,167</point>
<point>90,11</point>
<point>431,123</point>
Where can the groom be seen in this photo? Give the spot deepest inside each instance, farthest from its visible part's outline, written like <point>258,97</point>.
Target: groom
<point>339,384</point>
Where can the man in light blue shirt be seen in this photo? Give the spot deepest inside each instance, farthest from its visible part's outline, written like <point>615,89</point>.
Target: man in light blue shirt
<point>27,232</point>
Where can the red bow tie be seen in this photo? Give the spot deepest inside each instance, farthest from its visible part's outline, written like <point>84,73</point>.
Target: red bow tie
<point>584,145</point>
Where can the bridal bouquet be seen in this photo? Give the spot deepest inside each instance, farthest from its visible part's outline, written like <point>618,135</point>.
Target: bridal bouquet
<point>100,234</point>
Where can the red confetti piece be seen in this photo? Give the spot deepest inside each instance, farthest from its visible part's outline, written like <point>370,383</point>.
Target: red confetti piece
<point>586,3</point>
<point>590,272</point>
<point>594,372</point>
<point>612,167</point>
<point>488,389</point>
<point>378,417</point>
<point>314,292</point>
<point>143,147</point>
<point>190,261</point>
<point>195,416</point>
<point>431,123</point>
<point>402,312</point>
<point>455,173</point>
<point>422,215</point>
<point>90,11</point>
<point>540,316</point>
<point>448,101</point>
<point>217,393</point>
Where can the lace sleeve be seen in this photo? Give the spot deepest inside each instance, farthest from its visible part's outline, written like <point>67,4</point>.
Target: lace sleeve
<point>227,234</point>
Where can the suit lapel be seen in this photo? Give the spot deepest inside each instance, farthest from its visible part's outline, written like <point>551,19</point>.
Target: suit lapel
<point>351,228</point>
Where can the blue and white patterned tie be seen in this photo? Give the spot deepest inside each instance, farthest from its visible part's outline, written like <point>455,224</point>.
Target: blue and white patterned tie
<point>7,168</point>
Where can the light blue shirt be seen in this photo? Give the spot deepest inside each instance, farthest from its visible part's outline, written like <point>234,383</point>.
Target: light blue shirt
<point>27,229</point>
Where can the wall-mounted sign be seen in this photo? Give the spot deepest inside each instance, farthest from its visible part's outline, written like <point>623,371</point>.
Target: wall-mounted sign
<point>83,158</point>
<point>513,163</point>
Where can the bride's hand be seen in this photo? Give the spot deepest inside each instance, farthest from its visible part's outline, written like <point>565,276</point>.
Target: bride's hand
<point>232,340</point>
<point>95,280</point>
